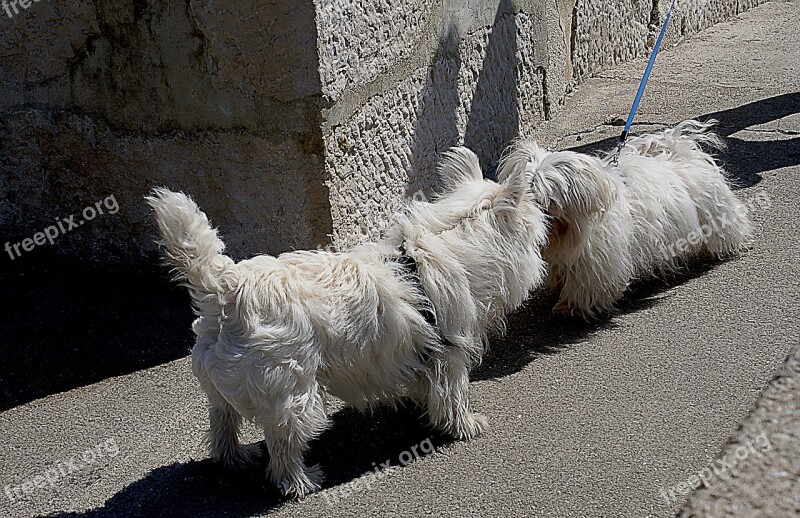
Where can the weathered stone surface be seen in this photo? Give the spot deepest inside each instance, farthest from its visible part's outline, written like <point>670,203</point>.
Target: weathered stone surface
<point>605,32</point>
<point>361,40</point>
<point>692,17</point>
<point>118,97</point>
<point>254,189</point>
<point>473,94</point>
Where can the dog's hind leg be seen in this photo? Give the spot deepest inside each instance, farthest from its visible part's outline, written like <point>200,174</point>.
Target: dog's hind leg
<point>223,433</point>
<point>298,417</point>
<point>447,404</point>
<point>725,227</point>
<point>591,287</point>
<point>224,437</point>
<point>224,421</point>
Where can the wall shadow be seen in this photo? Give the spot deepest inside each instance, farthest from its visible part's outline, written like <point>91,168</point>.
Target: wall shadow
<point>65,324</point>
<point>745,160</point>
<point>436,127</point>
<point>494,112</point>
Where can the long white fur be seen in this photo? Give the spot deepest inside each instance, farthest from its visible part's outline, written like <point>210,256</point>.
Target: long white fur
<point>613,223</point>
<point>275,333</point>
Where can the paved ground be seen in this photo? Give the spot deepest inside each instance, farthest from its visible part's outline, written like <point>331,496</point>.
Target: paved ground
<point>613,419</point>
<point>758,471</point>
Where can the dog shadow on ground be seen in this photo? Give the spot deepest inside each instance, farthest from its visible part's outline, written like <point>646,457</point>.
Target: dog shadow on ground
<point>745,160</point>
<point>535,330</point>
<point>355,445</point>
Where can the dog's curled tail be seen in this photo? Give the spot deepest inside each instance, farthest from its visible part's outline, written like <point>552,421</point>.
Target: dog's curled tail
<point>191,246</point>
<point>696,133</point>
<point>688,140</point>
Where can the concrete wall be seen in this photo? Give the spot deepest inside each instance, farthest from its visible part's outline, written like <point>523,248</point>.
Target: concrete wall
<point>293,123</point>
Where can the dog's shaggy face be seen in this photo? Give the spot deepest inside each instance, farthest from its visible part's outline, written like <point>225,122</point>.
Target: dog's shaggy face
<point>274,334</point>
<point>570,185</point>
<point>614,222</point>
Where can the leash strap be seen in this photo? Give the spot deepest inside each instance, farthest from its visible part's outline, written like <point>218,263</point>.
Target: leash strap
<point>410,266</point>
<point>643,83</point>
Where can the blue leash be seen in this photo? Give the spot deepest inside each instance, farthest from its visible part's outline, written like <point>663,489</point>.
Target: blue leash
<point>643,83</point>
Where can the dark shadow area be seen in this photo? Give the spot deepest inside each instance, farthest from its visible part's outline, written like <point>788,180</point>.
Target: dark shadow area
<point>194,488</point>
<point>205,488</point>
<point>436,127</point>
<point>493,116</point>
<point>66,324</point>
<point>535,330</point>
<point>745,160</point>
<point>494,113</point>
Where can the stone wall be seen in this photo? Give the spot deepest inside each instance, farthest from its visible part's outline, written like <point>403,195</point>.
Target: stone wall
<point>293,123</point>
<point>115,97</point>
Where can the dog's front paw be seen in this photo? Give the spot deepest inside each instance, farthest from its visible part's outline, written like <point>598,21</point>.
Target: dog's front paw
<point>308,482</point>
<point>569,311</point>
<point>473,426</point>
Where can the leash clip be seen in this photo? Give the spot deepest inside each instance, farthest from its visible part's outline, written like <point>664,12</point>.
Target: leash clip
<point>620,146</point>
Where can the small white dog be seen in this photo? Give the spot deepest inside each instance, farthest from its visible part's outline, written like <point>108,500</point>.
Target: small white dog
<point>664,202</point>
<point>404,317</point>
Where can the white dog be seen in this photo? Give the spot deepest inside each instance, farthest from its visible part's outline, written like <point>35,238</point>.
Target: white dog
<point>404,317</point>
<point>664,202</point>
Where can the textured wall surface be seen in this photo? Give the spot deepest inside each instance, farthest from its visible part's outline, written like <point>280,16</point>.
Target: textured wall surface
<point>478,86</point>
<point>294,123</point>
<point>58,163</point>
<point>605,32</point>
<point>118,97</point>
<point>358,40</point>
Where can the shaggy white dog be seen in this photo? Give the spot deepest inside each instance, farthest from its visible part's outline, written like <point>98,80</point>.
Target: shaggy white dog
<point>404,317</point>
<point>663,202</point>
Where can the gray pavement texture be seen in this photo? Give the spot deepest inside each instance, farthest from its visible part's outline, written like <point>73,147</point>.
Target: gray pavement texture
<point>758,471</point>
<point>606,419</point>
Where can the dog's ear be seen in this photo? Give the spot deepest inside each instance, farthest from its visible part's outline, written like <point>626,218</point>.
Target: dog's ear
<point>574,184</point>
<point>459,165</point>
<point>524,154</point>
<point>512,189</point>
